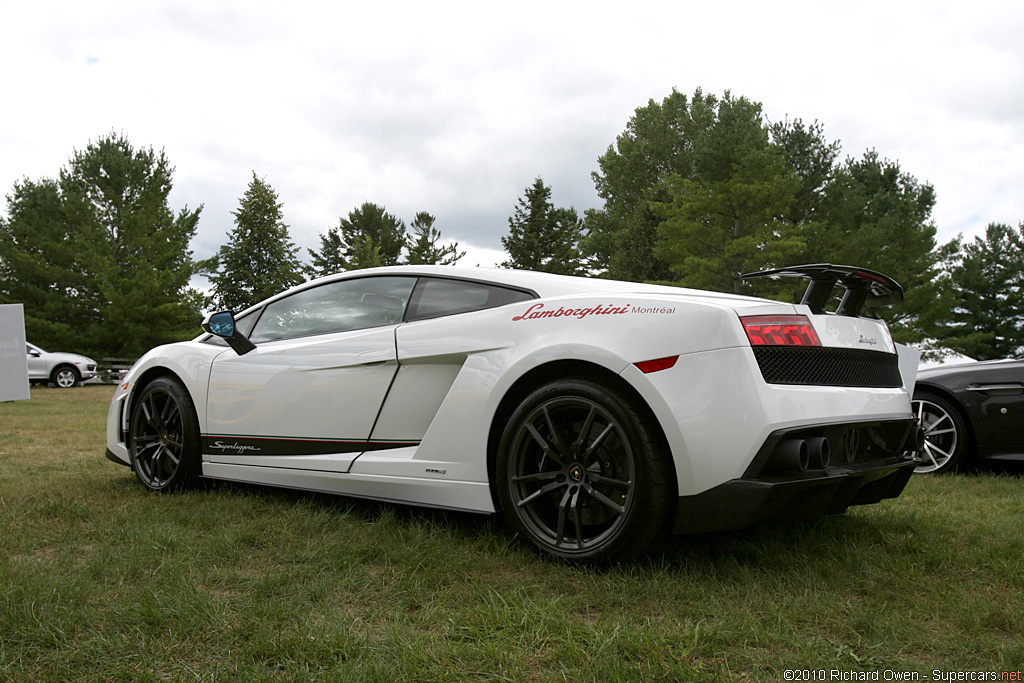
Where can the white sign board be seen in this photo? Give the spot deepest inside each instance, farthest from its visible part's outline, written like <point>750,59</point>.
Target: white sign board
<point>13,360</point>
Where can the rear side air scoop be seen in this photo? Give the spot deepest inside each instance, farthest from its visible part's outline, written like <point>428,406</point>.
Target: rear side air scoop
<point>862,286</point>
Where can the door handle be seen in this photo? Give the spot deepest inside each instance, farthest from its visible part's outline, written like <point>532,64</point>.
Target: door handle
<point>376,356</point>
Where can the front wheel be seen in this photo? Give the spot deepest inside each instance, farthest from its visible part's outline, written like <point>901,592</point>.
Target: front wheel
<point>583,474</point>
<point>65,376</point>
<point>164,436</point>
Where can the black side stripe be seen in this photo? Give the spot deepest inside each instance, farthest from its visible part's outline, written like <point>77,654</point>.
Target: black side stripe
<point>226,444</point>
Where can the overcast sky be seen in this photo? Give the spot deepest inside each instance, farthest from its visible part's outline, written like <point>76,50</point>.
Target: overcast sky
<point>455,108</point>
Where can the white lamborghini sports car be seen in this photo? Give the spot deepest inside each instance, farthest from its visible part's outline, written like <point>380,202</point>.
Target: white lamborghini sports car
<point>597,416</point>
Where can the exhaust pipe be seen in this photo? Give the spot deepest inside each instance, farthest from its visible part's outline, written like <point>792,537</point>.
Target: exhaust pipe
<point>791,454</point>
<point>818,452</point>
<point>915,440</point>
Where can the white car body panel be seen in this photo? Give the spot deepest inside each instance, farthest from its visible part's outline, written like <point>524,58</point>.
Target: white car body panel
<point>327,388</point>
<point>430,389</point>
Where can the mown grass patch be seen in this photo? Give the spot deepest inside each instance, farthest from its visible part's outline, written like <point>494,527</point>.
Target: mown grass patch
<point>100,580</point>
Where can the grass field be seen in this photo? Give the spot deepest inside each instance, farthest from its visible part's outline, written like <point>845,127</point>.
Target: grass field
<point>101,581</point>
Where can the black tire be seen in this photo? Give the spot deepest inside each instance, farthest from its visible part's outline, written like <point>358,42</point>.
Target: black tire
<point>163,436</point>
<point>947,445</point>
<point>65,376</point>
<point>584,475</point>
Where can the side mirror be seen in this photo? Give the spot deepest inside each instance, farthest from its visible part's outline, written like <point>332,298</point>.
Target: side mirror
<point>222,324</point>
<point>35,354</point>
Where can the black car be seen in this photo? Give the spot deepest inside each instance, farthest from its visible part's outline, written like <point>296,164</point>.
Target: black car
<point>970,413</point>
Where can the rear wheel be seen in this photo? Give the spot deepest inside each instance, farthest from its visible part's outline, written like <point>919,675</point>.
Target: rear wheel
<point>945,434</point>
<point>164,436</point>
<point>583,474</point>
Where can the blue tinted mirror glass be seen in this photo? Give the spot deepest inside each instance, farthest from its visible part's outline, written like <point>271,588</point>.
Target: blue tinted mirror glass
<point>222,324</point>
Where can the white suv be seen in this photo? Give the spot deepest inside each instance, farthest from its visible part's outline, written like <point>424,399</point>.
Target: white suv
<point>65,370</point>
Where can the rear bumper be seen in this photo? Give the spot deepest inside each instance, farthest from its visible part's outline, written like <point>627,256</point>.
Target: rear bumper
<point>874,466</point>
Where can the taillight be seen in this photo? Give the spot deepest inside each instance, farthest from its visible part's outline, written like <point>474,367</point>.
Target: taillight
<point>780,330</point>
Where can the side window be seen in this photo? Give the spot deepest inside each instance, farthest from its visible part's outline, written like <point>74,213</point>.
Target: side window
<point>335,307</point>
<point>436,297</point>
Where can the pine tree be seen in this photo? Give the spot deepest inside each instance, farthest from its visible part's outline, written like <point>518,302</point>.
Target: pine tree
<point>339,244</point>
<point>987,279</point>
<point>98,257</point>
<point>259,259</point>
<point>422,245</point>
<point>542,237</point>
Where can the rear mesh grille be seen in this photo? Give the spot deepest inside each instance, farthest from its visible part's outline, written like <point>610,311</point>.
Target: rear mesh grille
<point>828,366</point>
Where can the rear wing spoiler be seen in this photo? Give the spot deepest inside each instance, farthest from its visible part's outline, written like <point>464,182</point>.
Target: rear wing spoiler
<point>862,286</point>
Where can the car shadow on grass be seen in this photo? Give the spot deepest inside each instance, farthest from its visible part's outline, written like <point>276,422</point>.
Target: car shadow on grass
<point>782,545</point>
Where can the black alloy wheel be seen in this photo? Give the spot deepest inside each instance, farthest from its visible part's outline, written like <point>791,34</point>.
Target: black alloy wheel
<point>583,474</point>
<point>164,436</point>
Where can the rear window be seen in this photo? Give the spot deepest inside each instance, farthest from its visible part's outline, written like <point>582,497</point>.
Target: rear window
<point>436,297</point>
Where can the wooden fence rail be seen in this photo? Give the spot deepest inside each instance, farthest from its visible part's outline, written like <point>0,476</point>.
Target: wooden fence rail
<point>110,370</point>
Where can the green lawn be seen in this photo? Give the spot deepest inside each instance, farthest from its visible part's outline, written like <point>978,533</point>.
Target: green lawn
<point>100,580</point>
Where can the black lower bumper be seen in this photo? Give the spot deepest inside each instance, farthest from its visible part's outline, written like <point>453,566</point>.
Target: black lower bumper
<point>868,463</point>
<point>741,502</point>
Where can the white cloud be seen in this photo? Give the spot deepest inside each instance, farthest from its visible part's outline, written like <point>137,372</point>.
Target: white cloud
<point>454,108</point>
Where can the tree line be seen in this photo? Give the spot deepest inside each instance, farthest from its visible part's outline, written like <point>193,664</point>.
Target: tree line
<point>697,190</point>
<point>103,266</point>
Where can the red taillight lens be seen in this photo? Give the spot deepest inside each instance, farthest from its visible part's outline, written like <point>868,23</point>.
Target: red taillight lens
<point>780,330</point>
<point>649,366</point>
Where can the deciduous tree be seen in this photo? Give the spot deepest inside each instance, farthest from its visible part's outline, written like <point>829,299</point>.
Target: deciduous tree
<point>876,216</point>
<point>725,218</point>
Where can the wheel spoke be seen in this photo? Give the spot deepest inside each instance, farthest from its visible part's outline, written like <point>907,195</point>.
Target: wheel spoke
<point>172,456</point>
<point>597,443</point>
<point>146,413</point>
<point>169,413</point>
<point>539,476</point>
<point>563,511</point>
<point>585,429</point>
<point>931,431</point>
<point>604,500</point>
<point>555,434</point>
<point>548,451</point>
<point>149,449</point>
<point>540,492</point>
<point>577,518</point>
<point>599,479</point>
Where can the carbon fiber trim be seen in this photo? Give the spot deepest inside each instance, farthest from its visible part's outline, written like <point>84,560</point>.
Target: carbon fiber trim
<point>830,367</point>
